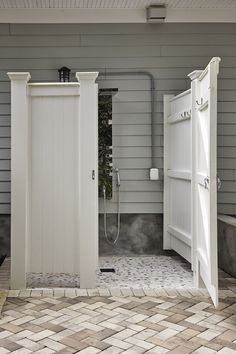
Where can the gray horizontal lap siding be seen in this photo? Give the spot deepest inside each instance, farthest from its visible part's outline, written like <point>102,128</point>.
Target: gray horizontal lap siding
<point>169,52</point>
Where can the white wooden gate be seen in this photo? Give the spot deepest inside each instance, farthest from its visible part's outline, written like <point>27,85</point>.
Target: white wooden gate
<point>177,174</point>
<point>204,109</point>
<point>54,178</point>
<point>190,180</point>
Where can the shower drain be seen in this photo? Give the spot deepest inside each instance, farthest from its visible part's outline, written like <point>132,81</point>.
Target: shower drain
<point>107,270</point>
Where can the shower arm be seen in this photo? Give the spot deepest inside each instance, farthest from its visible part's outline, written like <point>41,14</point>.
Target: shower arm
<point>152,91</point>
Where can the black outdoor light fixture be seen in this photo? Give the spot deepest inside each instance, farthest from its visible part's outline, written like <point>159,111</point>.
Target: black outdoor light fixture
<point>64,74</point>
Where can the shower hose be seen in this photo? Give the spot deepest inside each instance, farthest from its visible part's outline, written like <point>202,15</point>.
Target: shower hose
<point>109,240</point>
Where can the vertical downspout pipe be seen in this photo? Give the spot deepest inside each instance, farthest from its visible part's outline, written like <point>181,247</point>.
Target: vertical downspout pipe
<point>152,92</point>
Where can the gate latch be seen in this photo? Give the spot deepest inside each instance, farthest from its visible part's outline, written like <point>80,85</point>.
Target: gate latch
<point>93,174</point>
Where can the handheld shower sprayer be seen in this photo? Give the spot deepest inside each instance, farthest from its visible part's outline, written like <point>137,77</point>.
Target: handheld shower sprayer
<point>118,183</point>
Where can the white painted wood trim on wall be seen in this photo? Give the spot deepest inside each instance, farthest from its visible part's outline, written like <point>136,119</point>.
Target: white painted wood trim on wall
<point>73,16</point>
<point>173,15</point>
<point>201,15</point>
<point>20,174</point>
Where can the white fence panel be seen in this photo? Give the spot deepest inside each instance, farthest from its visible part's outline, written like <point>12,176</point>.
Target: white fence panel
<point>177,174</point>
<point>53,243</point>
<point>54,178</point>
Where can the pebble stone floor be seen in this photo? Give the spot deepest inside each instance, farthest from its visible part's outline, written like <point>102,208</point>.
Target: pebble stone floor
<point>118,320</point>
<point>130,272</point>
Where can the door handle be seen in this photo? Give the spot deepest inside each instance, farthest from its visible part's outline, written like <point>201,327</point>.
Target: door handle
<point>206,182</point>
<point>219,183</point>
<point>93,174</point>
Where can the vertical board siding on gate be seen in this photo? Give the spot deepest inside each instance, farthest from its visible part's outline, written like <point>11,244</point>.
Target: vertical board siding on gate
<point>178,174</point>
<point>54,176</point>
<point>168,51</point>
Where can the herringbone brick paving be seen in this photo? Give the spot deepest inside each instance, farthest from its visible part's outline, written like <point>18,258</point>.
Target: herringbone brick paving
<point>115,320</point>
<point>83,324</point>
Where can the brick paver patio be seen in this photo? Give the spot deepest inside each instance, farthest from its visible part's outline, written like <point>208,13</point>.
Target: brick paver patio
<point>114,320</point>
<point>46,324</point>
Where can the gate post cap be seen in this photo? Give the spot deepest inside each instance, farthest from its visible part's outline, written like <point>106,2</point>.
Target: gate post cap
<point>24,76</point>
<point>86,75</point>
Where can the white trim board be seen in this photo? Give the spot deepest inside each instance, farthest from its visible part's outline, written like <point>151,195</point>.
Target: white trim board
<point>174,15</point>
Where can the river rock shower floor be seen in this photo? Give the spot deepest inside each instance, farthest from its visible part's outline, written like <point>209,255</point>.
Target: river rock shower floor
<point>130,272</point>
<point>145,272</point>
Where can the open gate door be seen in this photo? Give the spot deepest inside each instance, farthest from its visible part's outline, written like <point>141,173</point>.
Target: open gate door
<point>178,174</point>
<point>204,177</point>
<point>190,180</point>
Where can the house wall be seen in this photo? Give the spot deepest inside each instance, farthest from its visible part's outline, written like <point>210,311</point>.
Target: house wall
<point>168,51</point>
